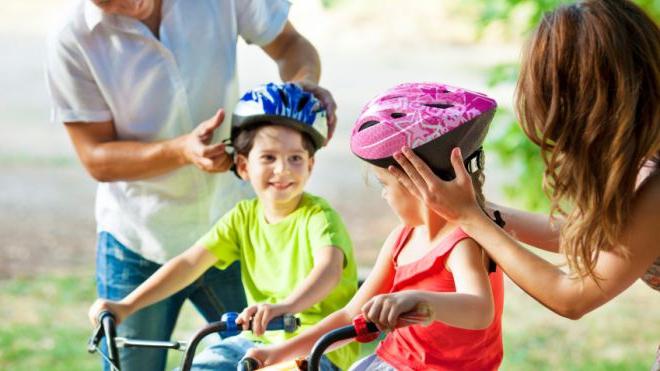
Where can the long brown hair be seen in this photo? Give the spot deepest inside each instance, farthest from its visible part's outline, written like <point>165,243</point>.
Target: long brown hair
<point>589,96</point>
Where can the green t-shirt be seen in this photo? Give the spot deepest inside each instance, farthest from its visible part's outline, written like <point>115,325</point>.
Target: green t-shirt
<point>276,258</point>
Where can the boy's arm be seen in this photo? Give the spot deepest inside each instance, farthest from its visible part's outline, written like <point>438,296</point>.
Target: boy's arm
<point>379,280</point>
<point>173,276</point>
<point>530,228</point>
<point>470,307</point>
<point>326,274</point>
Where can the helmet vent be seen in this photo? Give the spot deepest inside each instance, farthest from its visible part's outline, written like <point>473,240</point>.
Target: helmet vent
<point>302,102</point>
<point>439,105</point>
<point>284,98</point>
<point>368,124</point>
<point>397,115</point>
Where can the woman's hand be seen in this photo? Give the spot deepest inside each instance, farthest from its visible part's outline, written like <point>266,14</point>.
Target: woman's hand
<point>326,99</point>
<point>198,150</point>
<point>398,309</point>
<point>260,314</point>
<point>453,200</point>
<point>118,309</point>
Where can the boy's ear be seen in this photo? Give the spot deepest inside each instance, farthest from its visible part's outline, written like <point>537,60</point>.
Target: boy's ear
<point>241,167</point>
<point>310,163</point>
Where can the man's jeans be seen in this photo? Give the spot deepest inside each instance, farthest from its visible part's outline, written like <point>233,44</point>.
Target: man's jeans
<point>120,270</point>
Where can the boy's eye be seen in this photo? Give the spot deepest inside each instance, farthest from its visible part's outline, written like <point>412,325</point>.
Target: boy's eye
<point>296,158</point>
<point>267,158</point>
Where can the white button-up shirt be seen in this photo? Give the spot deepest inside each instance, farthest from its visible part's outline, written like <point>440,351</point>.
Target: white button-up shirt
<point>103,67</point>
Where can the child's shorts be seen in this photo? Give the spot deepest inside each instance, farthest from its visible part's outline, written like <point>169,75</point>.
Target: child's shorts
<point>371,363</point>
<point>225,355</point>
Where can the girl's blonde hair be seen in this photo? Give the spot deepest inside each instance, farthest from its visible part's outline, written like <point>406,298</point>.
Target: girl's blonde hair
<point>589,96</point>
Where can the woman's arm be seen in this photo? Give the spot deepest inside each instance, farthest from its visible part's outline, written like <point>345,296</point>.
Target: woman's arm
<point>169,279</point>
<point>379,280</point>
<point>470,307</point>
<point>533,229</point>
<point>555,289</point>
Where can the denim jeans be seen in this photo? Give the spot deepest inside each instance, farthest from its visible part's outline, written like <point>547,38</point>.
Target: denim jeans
<point>371,363</point>
<point>120,270</point>
<point>225,355</point>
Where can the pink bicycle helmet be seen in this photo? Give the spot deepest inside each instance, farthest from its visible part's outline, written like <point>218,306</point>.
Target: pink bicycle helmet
<point>431,119</point>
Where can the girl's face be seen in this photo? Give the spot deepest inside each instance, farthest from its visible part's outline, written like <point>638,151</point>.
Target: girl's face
<point>138,9</point>
<point>403,203</point>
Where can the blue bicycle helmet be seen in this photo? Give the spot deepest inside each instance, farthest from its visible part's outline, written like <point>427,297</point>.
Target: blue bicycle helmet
<point>284,104</point>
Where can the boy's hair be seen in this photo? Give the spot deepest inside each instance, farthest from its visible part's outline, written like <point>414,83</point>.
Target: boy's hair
<point>245,139</point>
<point>588,96</point>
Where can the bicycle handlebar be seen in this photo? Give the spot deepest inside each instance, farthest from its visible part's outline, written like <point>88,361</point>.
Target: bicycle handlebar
<point>321,345</point>
<point>226,327</point>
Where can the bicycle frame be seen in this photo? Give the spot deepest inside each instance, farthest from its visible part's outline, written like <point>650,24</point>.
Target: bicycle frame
<point>227,327</point>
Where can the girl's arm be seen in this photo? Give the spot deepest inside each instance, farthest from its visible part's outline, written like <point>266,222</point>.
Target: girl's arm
<point>533,229</point>
<point>326,274</point>
<point>379,280</point>
<point>560,292</point>
<point>173,276</point>
<point>470,307</point>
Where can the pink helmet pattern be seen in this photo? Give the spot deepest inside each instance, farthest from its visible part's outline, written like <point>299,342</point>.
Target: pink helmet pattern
<point>430,118</point>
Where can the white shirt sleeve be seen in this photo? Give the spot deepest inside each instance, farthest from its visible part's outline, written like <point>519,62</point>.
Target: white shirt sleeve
<point>74,93</point>
<point>260,21</point>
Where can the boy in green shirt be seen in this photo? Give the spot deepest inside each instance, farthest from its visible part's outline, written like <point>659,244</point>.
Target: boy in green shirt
<point>295,253</point>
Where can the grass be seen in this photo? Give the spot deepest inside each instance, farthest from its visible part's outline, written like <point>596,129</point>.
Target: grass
<point>44,326</point>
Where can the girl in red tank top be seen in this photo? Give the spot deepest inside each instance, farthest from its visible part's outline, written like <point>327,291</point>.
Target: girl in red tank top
<point>432,287</point>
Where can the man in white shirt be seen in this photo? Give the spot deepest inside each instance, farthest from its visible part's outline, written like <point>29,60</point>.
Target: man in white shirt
<point>143,87</point>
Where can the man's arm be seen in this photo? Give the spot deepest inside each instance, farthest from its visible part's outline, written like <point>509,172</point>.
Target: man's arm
<point>299,62</point>
<point>108,159</point>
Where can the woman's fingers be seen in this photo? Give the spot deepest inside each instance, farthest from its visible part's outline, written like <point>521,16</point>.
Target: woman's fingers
<point>403,178</point>
<point>458,165</point>
<point>409,169</point>
<point>420,167</point>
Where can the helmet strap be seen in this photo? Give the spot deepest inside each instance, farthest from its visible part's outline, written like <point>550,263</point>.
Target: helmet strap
<point>475,161</point>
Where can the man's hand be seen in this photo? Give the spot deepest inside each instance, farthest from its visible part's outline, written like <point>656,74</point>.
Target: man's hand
<point>327,101</point>
<point>198,150</point>
<point>260,314</point>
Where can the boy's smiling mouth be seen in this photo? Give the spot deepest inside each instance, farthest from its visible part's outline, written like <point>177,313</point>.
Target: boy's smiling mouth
<point>280,185</point>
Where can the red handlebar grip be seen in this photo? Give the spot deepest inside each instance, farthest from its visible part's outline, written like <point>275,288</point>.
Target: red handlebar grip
<point>363,333</point>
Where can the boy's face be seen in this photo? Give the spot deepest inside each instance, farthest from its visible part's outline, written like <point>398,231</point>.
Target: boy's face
<point>402,202</point>
<point>138,9</point>
<point>278,165</point>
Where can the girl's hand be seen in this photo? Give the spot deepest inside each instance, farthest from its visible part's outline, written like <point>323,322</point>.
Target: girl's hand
<point>260,315</point>
<point>398,309</point>
<point>264,355</point>
<point>118,309</point>
<point>453,200</point>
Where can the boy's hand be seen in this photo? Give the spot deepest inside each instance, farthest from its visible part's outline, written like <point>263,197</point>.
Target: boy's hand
<point>120,310</point>
<point>398,309</point>
<point>260,315</point>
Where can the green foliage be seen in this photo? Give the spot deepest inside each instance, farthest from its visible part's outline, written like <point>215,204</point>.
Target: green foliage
<point>331,3</point>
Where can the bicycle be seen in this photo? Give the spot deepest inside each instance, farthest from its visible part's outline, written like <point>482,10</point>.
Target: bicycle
<point>226,327</point>
<point>361,330</point>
